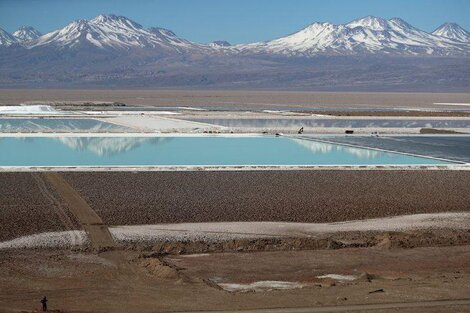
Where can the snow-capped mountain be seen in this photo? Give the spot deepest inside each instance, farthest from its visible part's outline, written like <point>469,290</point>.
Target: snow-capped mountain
<point>168,37</point>
<point>6,39</point>
<point>220,43</point>
<point>453,31</point>
<point>26,33</point>
<point>110,32</point>
<point>373,54</point>
<point>369,35</point>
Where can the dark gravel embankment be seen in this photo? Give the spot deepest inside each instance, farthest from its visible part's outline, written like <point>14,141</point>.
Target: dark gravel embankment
<point>295,196</point>
<point>29,206</point>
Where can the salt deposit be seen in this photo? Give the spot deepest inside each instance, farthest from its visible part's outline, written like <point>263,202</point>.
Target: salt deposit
<point>63,239</point>
<point>28,109</point>
<point>243,230</point>
<point>138,234</point>
<point>261,286</point>
<point>338,277</point>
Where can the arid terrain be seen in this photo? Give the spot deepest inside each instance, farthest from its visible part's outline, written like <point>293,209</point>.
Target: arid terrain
<point>420,279</point>
<point>289,196</point>
<point>293,239</point>
<point>420,270</point>
<point>32,205</point>
<point>271,99</point>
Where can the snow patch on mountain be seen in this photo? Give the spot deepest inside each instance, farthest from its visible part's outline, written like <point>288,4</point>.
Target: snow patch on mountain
<point>219,43</point>
<point>26,33</point>
<point>453,31</point>
<point>370,22</point>
<point>369,35</point>
<point>111,32</point>
<point>6,39</point>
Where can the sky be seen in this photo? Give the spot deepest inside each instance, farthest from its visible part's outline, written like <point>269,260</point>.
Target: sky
<point>237,21</point>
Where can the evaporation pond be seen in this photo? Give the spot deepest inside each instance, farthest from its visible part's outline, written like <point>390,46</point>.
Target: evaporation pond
<point>190,151</point>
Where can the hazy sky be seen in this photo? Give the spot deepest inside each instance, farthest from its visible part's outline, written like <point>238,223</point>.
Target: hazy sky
<point>237,21</point>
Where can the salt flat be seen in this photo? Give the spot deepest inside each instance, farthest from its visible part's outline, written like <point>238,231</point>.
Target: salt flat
<point>264,99</point>
<point>146,123</point>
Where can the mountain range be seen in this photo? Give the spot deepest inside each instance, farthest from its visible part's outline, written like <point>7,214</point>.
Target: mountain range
<point>111,50</point>
<point>369,35</point>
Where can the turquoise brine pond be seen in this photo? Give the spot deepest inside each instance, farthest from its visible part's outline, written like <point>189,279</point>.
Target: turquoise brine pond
<point>190,151</point>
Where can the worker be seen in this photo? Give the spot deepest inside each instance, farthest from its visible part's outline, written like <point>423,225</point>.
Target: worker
<point>44,304</point>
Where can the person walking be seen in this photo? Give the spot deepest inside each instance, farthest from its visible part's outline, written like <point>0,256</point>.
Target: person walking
<point>44,304</point>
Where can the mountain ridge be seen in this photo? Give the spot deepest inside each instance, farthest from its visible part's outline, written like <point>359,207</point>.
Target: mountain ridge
<point>361,36</point>
<point>366,53</point>
<point>6,39</point>
<point>109,32</point>
<point>367,35</point>
<point>26,33</point>
<point>452,31</point>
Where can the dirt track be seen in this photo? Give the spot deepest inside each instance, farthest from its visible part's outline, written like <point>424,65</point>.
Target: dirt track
<point>98,233</point>
<point>361,307</point>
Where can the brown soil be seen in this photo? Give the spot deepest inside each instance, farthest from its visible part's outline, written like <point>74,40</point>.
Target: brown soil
<point>124,281</point>
<point>132,281</point>
<point>334,241</point>
<point>244,99</point>
<point>305,266</point>
<point>294,196</point>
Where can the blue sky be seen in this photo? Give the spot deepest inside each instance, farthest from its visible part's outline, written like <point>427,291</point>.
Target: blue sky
<point>237,21</point>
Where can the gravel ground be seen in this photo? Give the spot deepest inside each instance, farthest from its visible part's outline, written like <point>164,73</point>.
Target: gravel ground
<point>127,198</point>
<point>25,209</point>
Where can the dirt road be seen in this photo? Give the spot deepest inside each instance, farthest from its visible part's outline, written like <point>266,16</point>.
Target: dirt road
<point>98,232</point>
<point>358,307</point>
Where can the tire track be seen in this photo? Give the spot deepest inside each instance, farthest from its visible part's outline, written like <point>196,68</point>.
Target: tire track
<point>59,209</point>
<point>98,233</point>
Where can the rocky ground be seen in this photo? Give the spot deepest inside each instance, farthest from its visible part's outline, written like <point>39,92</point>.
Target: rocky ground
<point>292,196</point>
<point>421,270</point>
<point>28,206</point>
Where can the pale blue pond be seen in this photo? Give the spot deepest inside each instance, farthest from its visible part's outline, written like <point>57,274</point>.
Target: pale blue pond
<point>180,151</point>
